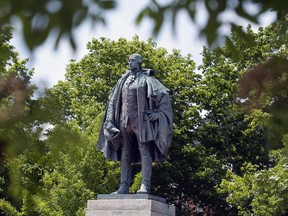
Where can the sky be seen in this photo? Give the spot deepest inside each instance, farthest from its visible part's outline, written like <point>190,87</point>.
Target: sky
<point>50,64</point>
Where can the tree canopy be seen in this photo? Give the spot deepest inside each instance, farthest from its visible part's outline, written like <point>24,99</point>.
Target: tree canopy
<point>261,190</point>
<point>230,128</point>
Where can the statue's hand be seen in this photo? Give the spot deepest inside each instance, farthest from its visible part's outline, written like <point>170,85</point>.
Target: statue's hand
<point>110,132</point>
<point>154,116</point>
<point>114,129</point>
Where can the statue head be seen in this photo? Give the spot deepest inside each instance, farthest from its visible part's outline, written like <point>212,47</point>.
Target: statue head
<point>138,58</point>
<point>135,61</point>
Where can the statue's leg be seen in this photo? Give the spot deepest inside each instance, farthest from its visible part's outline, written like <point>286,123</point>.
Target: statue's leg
<point>125,165</point>
<point>146,168</point>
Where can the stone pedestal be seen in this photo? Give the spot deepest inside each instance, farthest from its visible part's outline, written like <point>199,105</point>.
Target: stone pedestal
<point>129,205</point>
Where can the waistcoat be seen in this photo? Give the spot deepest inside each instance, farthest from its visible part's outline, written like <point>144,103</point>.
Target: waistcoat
<point>129,109</point>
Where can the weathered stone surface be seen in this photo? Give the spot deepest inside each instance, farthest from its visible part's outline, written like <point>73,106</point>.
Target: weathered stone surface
<point>129,205</point>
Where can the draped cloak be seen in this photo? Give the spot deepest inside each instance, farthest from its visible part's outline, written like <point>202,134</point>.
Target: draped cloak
<point>152,96</point>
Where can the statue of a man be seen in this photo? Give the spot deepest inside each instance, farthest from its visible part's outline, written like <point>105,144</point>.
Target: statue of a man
<point>137,127</point>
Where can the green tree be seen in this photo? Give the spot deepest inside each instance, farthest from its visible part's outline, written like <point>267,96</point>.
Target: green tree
<point>67,176</point>
<point>53,169</point>
<point>191,172</point>
<point>262,190</point>
<point>47,172</point>
<point>205,109</point>
<point>90,80</point>
<point>15,121</point>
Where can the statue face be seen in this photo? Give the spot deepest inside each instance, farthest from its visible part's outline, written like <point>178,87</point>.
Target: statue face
<point>133,63</point>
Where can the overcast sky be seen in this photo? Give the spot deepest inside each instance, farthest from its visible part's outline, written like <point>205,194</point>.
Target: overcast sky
<point>50,64</point>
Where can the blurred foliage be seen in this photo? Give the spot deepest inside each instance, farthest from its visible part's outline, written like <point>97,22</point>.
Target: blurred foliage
<point>60,18</point>
<point>159,12</point>
<point>229,150</point>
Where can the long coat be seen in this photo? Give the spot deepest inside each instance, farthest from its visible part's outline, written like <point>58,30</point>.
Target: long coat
<point>152,96</point>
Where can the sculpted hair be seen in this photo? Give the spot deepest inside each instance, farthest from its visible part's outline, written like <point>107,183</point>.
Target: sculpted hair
<point>138,57</point>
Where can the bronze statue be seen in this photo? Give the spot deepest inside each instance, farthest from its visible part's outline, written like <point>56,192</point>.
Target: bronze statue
<point>137,126</point>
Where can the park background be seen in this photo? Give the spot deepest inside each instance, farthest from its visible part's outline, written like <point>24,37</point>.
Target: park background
<point>229,151</point>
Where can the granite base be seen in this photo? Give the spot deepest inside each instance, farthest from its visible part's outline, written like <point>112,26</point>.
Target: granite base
<point>129,205</point>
